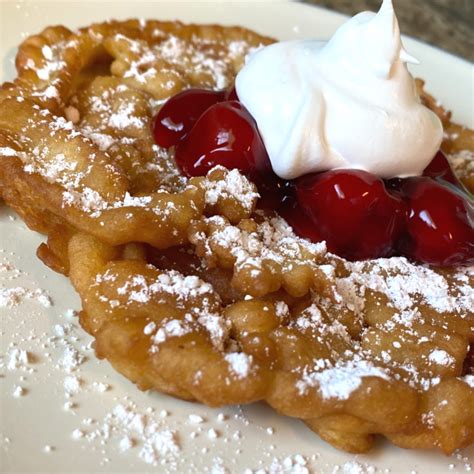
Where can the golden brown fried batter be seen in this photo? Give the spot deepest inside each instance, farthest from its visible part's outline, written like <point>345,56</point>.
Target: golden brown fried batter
<point>186,288</point>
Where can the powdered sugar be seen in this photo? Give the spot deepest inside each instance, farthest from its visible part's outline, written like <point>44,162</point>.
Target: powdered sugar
<point>18,359</point>
<point>124,117</point>
<point>405,284</point>
<point>469,380</point>
<point>11,297</point>
<point>355,467</point>
<point>294,464</point>
<point>101,140</point>
<point>88,200</point>
<point>272,240</point>
<point>213,64</point>
<point>172,283</point>
<point>49,69</point>
<point>342,380</point>
<point>189,293</point>
<point>217,327</point>
<point>72,384</point>
<point>441,357</point>
<point>173,328</point>
<point>156,444</point>
<point>8,151</point>
<point>71,359</point>
<point>195,418</point>
<point>463,163</point>
<point>18,392</point>
<point>312,318</point>
<point>235,186</point>
<point>240,364</point>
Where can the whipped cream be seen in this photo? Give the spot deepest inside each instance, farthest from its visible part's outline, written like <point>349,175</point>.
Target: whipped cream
<point>346,103</point>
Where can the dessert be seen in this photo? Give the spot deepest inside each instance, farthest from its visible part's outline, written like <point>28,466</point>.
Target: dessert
<point>186,287</point>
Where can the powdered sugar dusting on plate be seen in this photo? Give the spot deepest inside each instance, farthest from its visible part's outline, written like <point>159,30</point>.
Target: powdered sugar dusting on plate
<point>11,297</point>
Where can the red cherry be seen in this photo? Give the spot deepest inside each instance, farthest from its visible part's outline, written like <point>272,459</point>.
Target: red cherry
<point>440,168</point>
<point>227,135</point>
<point>353,212</point>
<point>440,222</point>
<point>178,115</point>
<point>302,225</point>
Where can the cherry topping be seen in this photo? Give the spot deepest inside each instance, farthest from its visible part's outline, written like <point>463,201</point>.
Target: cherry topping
<point>181,112</point>
<point>227,135</point>
<point>302,225</point>
<point>232,94</point>
<point>440,222</point>
<point>427,218</point>
<point>440,168</point>
<point>353,212</point>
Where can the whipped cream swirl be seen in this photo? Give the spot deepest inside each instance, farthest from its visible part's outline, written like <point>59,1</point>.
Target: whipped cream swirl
<point>346,103</point>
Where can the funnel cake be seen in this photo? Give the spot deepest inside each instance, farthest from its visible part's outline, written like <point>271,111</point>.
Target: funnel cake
<point>191,291</point>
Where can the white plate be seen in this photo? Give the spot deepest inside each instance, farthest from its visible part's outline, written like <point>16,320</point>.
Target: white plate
<point>248,438</point>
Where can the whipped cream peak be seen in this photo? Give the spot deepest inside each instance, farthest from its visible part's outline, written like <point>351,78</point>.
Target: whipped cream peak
<point>366,30</point>
<point>346,103</point>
